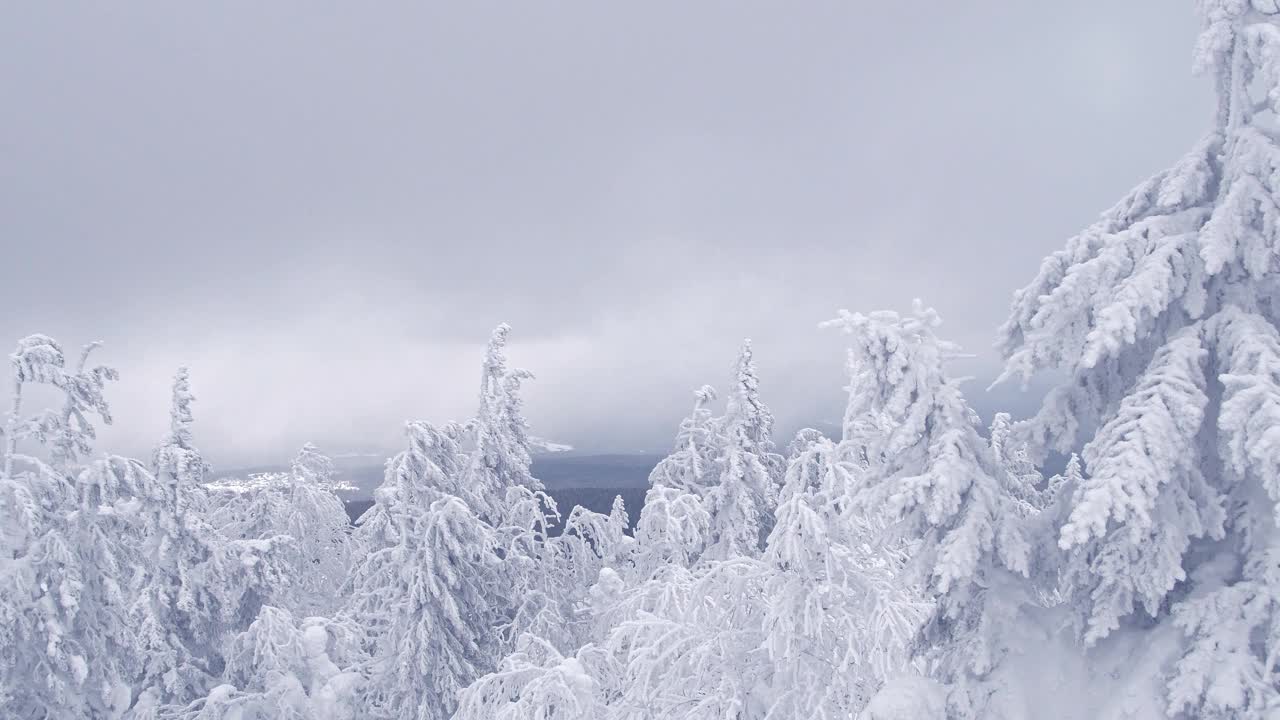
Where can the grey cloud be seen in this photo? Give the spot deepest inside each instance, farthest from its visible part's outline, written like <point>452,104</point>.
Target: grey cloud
<point>322,208</point>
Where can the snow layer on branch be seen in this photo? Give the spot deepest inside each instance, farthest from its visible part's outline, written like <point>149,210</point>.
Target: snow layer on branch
<point>1230,670</point>
<point>1112,283</point>
<point>1249,420</point>
<point>1150,441</point>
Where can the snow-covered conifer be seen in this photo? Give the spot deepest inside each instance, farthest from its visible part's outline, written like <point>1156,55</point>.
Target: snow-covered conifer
<point>176,461</point>
<point>303,507</point>
<point>499,432</point>
<point>842,611</point>
<point>822,467</point>
<point>440,619</point>
<point>691,467</point>
<point>929,467</point>
<point>276,668</point>
<point>741,502</point>
<point>67,568</point>
<point>71,433</point>
<point>559,572</point>
<point>688,644</point>
<point>1025,479</point>
<point>320,528</point>
<point>313,467</point>
<point>841,616</point>
<point>1161,320</point>
<point>280,668</point>
<point>67,635</point>
<point>672,529</point>
<point>535,682</point>
<point>200,586</point>
<point>429,469</point>
<point>588,544</point>
<point>619,520</point>
<point>535,572</point>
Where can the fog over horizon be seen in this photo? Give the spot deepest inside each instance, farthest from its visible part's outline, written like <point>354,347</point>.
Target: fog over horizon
<point>323,211</point>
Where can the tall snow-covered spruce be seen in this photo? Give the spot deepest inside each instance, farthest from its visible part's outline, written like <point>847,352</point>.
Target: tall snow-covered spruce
<point>1162,319</point>
<point>440,631</point>
<point>728,465</point>
<point>457,558</point>
<point>741,503</point>
<point>915,440</point>
<point>200,588</point>
<point>674,526</point>
<point>499,432</point>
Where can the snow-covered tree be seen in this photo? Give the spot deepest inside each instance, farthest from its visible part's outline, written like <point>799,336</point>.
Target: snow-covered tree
<point>590,543</point>
<point>279,669</point>
<point>253,513</point>
<point>672,530</point>
<point>66,567</point>
<point>681,643</point>
<point>313,467</point>
<point>318,524</point>
<point>692,467</point>
<point>439,616</point>
<point>823,468</point>
<point>302,506</point>
<point>536,682</point>
<point>432,627</point>
<point>176,459</point>
<point>429,469</point>
<point>200,587</point>
<point>499,432</point>
<point>688,644</point>
<point>741,502</point>
<point>674,525</point>
<point>71,636</point>
<point>619,521</point>
<point>931,470</point>
<point>543,579</point>
<point>534,574</point>
<point>841,612</point>
<point>1161,318</point>
<point>68,432</point>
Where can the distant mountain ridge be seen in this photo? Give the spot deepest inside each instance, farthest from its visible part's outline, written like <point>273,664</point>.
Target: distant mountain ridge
<point>591,481</point>
<point>618,470</point>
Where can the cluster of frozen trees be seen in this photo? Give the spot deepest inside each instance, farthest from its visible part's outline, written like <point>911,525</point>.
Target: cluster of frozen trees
<point>919,565</point>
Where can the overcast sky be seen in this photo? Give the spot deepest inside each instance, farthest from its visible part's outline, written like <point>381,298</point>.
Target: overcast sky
<point>323,208</point>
